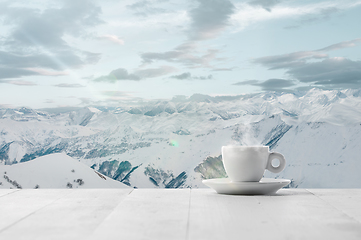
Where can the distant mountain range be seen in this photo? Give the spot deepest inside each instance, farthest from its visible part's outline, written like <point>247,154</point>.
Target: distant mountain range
<point>177,143</point>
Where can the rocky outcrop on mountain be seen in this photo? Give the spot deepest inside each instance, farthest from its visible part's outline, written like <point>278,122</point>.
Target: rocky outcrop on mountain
<point>211,167</point>
<point>118,171</point>
<point>166,179</point>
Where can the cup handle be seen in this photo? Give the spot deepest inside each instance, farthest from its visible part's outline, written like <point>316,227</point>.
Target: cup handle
<point>280,157</point>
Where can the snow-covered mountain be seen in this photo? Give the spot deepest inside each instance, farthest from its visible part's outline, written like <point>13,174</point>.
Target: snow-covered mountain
<point>54,171</point>
<point>177,143</point>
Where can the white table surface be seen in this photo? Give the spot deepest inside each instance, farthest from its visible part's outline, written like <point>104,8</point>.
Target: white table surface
<point>179,214</point>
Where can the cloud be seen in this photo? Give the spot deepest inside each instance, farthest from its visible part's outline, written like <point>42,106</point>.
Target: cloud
<point>15,65</point>
<point>9,72</point>
<point>322,14</point>
<point>332,72</point>
<point>185,54</point>
<point>289,60</point>
<point>209,18</point>
<point>304,88</point>
<point>140,74</point>
<point>32,27</point>
<point>145,8</point>
<point>248,82</point>
<point>22,83</point>
<point>69,85</point>
<point>113,38</point>
<point>139,5</point>
<point>188,76</point>
<point>317,68</point>
<point>182,53</point>
<point>341,45</point>
<point>154,72</point>
<point>209,77</point>
<point>36,38</point>
<point>45,72</point>
<point>58,61</point>
<point>49,101</point>
<point>223,69</point>
<point>183,76</point>
<point>297,59</point>
<point>273,84</point>
<point>266,4</point>
<point>19,82</point>
<point>247,14</point>
<point>117,74</point>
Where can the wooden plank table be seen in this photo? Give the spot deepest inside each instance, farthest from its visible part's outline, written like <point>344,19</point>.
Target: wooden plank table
<point>179,214</point>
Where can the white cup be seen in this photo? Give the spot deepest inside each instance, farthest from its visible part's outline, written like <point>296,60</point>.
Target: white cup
<point>247,164</point>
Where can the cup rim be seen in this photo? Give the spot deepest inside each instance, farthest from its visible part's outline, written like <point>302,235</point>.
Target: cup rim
<point>237,146</point>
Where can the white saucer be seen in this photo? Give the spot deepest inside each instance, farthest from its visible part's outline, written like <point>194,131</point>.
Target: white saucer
<point>265,186</point>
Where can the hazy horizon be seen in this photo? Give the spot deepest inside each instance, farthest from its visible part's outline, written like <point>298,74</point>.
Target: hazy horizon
<point>196,97</point>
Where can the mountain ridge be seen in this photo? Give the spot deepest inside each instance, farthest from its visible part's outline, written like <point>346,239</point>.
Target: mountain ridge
<point>163,142</point>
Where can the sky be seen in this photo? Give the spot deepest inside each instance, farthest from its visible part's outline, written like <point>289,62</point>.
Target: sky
<point>63,53</point>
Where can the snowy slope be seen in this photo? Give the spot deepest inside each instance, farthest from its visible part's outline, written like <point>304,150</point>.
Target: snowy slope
<point>322,155</point>
<point>177,143</point>
<point>54,171</point>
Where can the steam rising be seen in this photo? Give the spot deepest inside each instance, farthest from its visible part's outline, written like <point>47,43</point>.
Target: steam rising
<point>245,135</point>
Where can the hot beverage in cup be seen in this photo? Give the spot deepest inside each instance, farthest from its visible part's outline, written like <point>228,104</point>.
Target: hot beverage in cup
<point>247,164</point>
